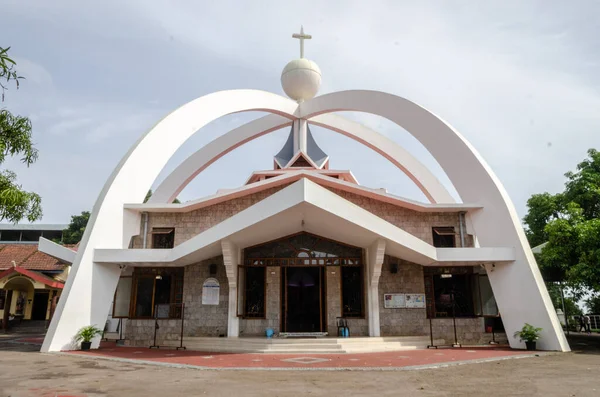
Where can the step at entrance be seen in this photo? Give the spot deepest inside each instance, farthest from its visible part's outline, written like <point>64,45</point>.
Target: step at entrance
<point>302,334</point>
<point>314,345</point>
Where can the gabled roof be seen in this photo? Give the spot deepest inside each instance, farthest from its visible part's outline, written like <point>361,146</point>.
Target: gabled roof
<point>40,278</point>
<point>345,175</point>
<point>304,206</point>
<point>293,176</point>
<point>28,257</point>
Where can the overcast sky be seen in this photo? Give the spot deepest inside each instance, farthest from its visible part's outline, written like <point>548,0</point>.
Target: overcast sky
<point>519,79</point>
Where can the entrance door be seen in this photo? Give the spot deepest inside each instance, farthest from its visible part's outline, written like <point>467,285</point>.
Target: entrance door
<point>303,299</point>
<point>40,305</point>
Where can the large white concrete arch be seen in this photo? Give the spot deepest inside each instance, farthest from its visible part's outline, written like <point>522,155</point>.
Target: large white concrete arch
<point>518,287</point>
<point>90,287</point>
<point>181,176</point>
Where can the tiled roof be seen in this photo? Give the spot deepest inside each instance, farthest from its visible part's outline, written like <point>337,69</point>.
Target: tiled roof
<point>27,257</point>
<point>34,275</point>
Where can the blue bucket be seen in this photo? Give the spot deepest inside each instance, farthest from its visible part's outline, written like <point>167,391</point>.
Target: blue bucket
<point>270,332</point>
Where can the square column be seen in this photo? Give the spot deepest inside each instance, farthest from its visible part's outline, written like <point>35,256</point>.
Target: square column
<point>375,256</point>
<point>231,261</point>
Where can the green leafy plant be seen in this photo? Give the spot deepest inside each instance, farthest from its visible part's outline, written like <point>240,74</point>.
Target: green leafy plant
<point>528,333</point>
<point>86,334</point>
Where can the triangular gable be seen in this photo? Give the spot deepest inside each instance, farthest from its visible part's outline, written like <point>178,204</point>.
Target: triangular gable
<point>305,161</point>
<point>40,278</point>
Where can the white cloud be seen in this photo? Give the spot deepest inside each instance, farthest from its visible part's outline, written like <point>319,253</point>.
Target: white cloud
<point>512,76</point>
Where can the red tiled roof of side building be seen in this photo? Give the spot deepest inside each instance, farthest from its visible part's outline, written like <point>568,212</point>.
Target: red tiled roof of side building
<point>40,261</point>
<point>28,257</point>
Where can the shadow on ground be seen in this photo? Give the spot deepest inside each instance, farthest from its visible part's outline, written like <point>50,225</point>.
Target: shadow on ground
<point>17,342</point>
<point>584,344</point>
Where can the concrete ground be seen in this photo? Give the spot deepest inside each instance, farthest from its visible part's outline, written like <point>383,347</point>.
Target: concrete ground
<point>25,372</point>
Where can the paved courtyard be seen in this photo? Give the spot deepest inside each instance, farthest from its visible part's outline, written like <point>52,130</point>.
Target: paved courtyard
<point>25,372</point>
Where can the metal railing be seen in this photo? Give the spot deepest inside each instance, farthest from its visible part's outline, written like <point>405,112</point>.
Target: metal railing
<point>575,324</point>
<point>172,311</point>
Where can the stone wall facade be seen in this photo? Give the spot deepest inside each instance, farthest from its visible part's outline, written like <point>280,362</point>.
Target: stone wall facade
<point>408,279</point>
<point>257,327</point>
<point>205,320</point>
<point>190,224</point>
<point>199,319</point>
<point>211,320</point>
<point>358,326</point>
<point>419,224</point>
<point>413,322</point>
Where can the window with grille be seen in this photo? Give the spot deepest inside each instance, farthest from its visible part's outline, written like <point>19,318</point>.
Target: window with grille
<point>444,237</point>
<point>163,238</point>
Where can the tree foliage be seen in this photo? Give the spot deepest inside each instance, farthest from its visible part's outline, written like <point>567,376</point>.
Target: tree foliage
<point>149,194</point>
<point>7,71</point>
<point>593,304</point>
<point>570,304</point>
<point>15,140</point>
<point>570,224</point>
<point>74,233</point>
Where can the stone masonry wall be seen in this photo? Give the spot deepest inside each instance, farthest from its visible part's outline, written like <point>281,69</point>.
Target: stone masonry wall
<point>273,310</point>
<point>409,279</point>
<point>205,320</point>
<point>188,225</point>
<point>358,326</point>
<point>199,319</point>
<point>334,298</point>
<point>418,224</point>
<point>140,333</point>
<point>413,322</point>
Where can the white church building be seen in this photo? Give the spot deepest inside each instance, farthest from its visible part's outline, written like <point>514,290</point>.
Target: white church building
<point>303,247</point>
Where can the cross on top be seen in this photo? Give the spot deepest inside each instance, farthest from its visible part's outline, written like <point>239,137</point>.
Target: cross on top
<point>301,36</point>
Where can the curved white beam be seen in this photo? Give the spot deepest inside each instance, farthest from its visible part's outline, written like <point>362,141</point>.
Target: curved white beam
<point>90,287</point>
<point>181,176</point>
<point>519,288</point>
<point>185,172</point>
<point>433,189</point>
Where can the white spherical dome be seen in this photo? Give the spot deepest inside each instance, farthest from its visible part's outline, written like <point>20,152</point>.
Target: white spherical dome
<point>301,79</point>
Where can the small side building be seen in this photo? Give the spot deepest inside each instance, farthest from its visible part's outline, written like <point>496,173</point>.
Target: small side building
<point>30,281</point>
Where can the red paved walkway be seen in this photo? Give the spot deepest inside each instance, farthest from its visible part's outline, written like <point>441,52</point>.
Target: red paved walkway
<point>363,360</point>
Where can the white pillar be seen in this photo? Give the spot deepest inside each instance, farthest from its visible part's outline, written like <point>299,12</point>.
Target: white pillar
<point>375,255</point>
<point>231,259</point>
<point>302,144</point>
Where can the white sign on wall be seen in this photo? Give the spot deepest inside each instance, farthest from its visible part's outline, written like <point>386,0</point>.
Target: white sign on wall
<point>401,301</point>
<point>394,301</point>
<point>415,301</point>
<point>210,291</point>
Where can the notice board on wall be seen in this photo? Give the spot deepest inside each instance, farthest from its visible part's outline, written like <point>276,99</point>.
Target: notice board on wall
<point>415,301</point>
<point>401,301</point>
<point>394,301</point>
<point>211,291</point>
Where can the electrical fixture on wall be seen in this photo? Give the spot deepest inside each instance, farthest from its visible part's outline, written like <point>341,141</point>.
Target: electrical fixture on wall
<point>158,277</point>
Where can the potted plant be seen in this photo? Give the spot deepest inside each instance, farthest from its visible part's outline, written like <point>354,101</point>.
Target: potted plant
<point>86,334</point>
<point>529,334</point>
